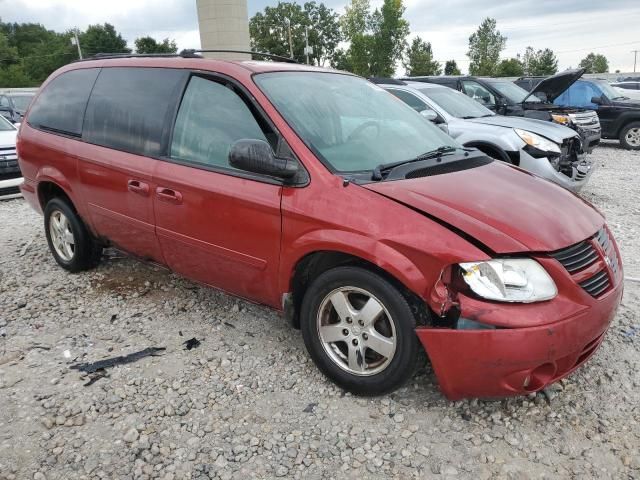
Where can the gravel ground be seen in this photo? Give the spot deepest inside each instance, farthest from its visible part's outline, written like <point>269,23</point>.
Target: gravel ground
<point>248,403</point>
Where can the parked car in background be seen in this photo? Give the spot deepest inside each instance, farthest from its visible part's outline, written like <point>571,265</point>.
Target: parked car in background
<point>319,194</point>
<point>506,98</point>
<point>619,114</point>
<point>629,89</point>
<point>549,150</point>
<point>10,176</point>
<point>13,105</point>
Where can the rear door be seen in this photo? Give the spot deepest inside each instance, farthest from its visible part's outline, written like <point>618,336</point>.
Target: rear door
<point>128,121</point>
<point>216,224</point>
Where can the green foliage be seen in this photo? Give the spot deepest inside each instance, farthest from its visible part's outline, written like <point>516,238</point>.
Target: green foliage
<point>269,31</point>
<point>541,62</point>
<point>451,68</point>
<point>378,38</point>
<point>485,46</point>
<point>150,45</point>
<point>419,59</point>
<point>102,39</point>
<point>510,67</point>
<point>595,63</point>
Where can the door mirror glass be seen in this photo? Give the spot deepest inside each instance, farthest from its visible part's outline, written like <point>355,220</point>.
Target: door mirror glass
<point>429,115</point>
<point>256,156</point>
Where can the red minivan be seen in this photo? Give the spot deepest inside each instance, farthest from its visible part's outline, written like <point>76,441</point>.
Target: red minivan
<point>319,194</point>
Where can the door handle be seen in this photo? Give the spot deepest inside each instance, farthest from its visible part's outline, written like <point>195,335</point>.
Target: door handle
<point>168,195</point>
<point>139,187</point>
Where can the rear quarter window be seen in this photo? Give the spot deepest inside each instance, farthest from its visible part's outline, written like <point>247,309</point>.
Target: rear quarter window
<point>61,105</point>
<point>130,109</point>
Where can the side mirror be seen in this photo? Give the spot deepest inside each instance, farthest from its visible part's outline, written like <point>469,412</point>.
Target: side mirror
<point>429,115</point>
<point>256,156</point>
<point>597,100</point>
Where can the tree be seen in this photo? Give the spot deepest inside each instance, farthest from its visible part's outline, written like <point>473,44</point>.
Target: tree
<point>419,59</point>
<point>541,62</point>
<point>269,31</point>
<point>595,63</point>
<point>377,40</point>
<point>149,45</point>
<point>485,46</point>
<point>451,68</point>
<point>511,67</point>
<point>102,39</point>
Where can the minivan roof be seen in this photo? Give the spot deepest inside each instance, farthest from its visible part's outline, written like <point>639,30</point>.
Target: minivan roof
<point>195,63</point>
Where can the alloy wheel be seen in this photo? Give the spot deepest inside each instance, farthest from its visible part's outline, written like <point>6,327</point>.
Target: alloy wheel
<point>61,235</point>
<point>632,137</point>
<point>356,331</point>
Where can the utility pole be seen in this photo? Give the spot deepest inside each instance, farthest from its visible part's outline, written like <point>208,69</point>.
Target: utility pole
<point>635,57</point>
<point>306,41</point>
<point>76,41</point>
<point>290,41</point>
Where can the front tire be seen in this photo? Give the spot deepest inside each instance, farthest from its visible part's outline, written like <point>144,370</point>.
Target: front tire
<point>359,331</point>
<point>70,242</point>
<point>630,136</point>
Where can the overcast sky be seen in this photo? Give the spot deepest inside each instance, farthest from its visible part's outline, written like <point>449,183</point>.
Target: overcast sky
<point>572,28</point>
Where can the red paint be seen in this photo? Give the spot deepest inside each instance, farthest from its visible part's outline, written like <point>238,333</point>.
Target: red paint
<point>246,237</point>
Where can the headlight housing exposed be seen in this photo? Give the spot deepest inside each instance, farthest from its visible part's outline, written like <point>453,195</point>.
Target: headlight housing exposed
<point>536,141</point>
<point>562,119</point>
<point>509,280</point>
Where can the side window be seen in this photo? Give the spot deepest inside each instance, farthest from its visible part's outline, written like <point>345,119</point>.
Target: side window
<point>212,116</point>
<point>4,102</point>
<point>580,94</point>
<point>60,107</point>
<point>478,92</point>
<point>129,109</point>
<point>410,99</point>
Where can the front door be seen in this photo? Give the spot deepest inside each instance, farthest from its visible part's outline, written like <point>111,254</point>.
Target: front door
<point>216,224</point>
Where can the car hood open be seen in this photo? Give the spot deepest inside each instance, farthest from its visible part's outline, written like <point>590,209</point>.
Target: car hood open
<point>550,130</point>
<point>555,85</point>
<point>506,209</point>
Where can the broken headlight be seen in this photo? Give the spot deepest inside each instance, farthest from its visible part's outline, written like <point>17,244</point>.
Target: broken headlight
<point>536,141</point>
<point>509,280</point>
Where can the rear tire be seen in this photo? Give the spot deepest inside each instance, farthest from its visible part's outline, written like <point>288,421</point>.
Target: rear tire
<point>70,242</point>
<point>359,331</point>
<point>630,136</point>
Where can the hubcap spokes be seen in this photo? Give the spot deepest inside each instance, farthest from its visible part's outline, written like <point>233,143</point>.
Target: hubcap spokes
<point>356,331</point>
<point>633,137</point>
<point>61,236</point>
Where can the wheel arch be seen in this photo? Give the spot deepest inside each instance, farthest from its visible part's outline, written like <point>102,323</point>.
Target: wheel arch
<point>313,263</point>
<point>51,183</point>
<point>490,148</point>
<point>624,121</point>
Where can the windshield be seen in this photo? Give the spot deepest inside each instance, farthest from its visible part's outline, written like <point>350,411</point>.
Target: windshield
<point>350,123</point>
<point>513,92</point>
<point>5,125</point>
<point>21,102</point>
<point>455,103</point>
<point>608,90</point>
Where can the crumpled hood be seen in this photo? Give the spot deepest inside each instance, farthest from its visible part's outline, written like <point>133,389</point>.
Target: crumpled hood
<point>555,85</point>
<point>501,206</point>
<point>552,131</point>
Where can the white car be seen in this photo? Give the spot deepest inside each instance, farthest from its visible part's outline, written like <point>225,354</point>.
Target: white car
<point>628,89</point>
<point>10,176</point>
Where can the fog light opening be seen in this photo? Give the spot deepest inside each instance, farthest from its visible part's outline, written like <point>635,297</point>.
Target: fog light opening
<point>539,377</point>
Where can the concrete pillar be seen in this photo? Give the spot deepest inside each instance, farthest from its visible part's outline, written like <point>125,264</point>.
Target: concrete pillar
<point>224,24</point>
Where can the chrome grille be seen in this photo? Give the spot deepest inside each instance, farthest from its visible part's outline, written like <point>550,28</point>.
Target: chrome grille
<point>585,119</point>
<point>605,242</point>
<point>597,284</point>
<point>577,257</point>
<point>8,162</point>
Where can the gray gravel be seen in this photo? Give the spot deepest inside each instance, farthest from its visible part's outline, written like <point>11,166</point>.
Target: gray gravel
<point>248,403</point>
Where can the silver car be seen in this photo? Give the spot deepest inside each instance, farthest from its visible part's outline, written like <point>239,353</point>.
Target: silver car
<point>547,149</point>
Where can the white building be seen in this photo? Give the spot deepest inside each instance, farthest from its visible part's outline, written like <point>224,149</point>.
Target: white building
<point>224,25</point>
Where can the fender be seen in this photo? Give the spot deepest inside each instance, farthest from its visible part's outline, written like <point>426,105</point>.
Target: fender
<point>367,248</point>
<point>53,175</point>
<point>624,119</point>
<point>498,149</point>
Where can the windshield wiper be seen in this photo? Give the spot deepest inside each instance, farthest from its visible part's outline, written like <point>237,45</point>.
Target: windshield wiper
<point>383,168</point>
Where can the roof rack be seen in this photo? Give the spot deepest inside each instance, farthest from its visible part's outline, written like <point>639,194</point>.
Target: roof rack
<point>187,53</point>
<point>386,81</point>
<point>191,52</point>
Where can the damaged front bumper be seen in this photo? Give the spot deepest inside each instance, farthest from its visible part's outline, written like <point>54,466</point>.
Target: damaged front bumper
<point>501,362</point>
<point>581,171</point>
